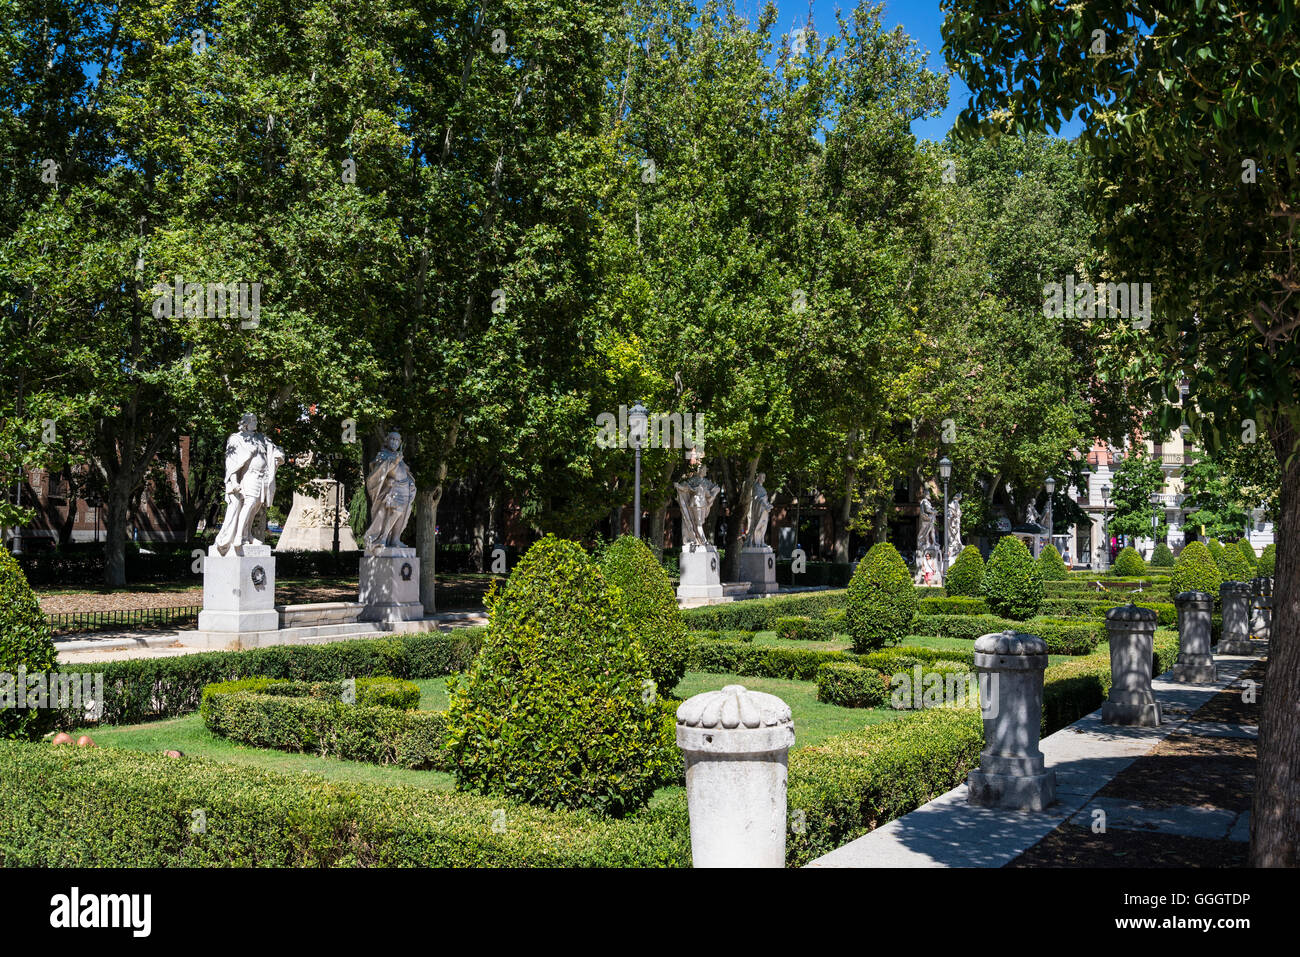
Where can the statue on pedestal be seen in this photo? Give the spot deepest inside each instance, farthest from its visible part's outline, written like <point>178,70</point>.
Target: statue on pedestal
<point>392,495</point>
<point>925,534</point>
<point>954,527</point>
<point>251,460</point>
<point>760,509</point>
<point>695,497</point>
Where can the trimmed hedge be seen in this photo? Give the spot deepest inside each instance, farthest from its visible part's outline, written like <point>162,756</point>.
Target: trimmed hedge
<point>719,636</point>
<point>145,689</point>
<point>1075,688</point>
<point>1234,566</point>
<point>1162,556</point>
<point>1195,570</point>
<point>1267,561</point>
<point>952,606</point>
<point>800,628</point>
<point>25,642</point>
<point>850,686</point>
<point>909,686</point>
<point>801,664</point>
<point>966,575</point>
<point>1012,586</point>
<point>1064,636</point>
<point>1128,563</point>
<point>650,607</point>
<point>1083,607</point>
<point>760,614</point>
<point>1051,566</point>
<point>374,692</point>
<point>881,600</point>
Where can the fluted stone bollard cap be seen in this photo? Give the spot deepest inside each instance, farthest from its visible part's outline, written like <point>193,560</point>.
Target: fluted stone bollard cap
<point>1194,598</point>
<point>734,721</point>
<point>1010,651</point>
<point>1234,588</point>
<point>1130,612</point>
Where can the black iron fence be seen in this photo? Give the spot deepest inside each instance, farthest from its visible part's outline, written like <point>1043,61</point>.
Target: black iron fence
<point>122,618</point>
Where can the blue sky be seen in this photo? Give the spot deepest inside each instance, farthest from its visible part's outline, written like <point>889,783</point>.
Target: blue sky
<point>920,19</point>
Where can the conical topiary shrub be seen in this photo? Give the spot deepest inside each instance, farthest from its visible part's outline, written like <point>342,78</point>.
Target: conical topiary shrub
<point>25,642</point>
<point>1128,564</point>
<point>1216,552</point>
<point>882,599</point>
<point>1012,586</point>
<point>558,708</point>
<point>1051,566</point>
<point>966,574</point>
<point>650,606</point>
<point>1162,556</point>
<point>1233,565</point>
<point>1267,561</point>
<point>1195,570</point>
<point>1248,553</point>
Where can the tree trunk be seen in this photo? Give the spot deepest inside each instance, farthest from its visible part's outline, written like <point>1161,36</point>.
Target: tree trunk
<point>117,503</point>
<point>842,520</point>
<point>1275,818</point>
<point>426,540</point>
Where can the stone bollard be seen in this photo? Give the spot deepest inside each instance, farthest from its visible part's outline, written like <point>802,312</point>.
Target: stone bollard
<point>1132,633</point>
<point>1195,664</point>
<point>1261,608</point>
<point>1011,772</point>
<point>1235,599</point>
<point>736,743</point>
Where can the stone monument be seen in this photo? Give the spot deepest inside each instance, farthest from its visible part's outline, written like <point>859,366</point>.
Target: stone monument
<point>239,570</point>
<point>310,525</point>
<point>700,576</point>
<point>954,529</point>
<point>1234,598</point>
<point>390,571</point>
<point>1195,664</point>
<point>928,570</point>
<point>736,744</point>
<point>757,560</point>
<point>1131,702</point>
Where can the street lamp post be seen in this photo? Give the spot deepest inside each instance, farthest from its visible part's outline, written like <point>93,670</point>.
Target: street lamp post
<point>1155,518</point>
<point>1050,485</point>
<point>1105,523</point>
<point>637,419</point>
<point>945,471</point>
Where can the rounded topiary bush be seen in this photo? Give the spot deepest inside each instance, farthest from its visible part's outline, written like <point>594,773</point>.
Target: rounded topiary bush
<point>1051,566</point>
<point>1195,570</point>
<point>1128,564</point>
<point>25,642</point>
<point>881,601</point>
<point>1162,556</point>
<point>650,606</point>
<point>1267,561</point>
<point>558,708</point>
<point>1012,586</point>
<point>1248,552</point>
<point>966,574</point>
<point>1234,567</point>
<point>1216,552</point>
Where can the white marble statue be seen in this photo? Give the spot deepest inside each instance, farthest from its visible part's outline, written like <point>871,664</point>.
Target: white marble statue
<point>954,526</point>
<point>251,460</point>
<point>1031,516</point>
<point>760,509</point>
<point>695,497</point>
<point>925,534</point>
<point>392,495</point>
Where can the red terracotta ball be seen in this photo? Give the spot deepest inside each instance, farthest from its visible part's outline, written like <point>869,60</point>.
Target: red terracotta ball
<point>86,741</point>
<point>62,738</point>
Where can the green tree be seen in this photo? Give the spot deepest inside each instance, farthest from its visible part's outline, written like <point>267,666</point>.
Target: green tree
<point>1138,477</point>
<point>1012,585</point>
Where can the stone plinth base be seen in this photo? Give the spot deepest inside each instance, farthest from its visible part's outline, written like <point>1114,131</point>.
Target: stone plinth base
<point>700,573</point>
<point>1239,646</point>
<point>1195,670</point>
<point>1132,715</point>
<point>758,567</point>
<point>239,590</point>
<point>1034,792</point>
<point>390,585</point>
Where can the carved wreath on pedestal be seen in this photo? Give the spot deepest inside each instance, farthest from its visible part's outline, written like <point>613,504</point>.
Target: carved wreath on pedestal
<point>259,576</point>
<point>406,571</point>
<point>713,564</point>
<point>769,561</point>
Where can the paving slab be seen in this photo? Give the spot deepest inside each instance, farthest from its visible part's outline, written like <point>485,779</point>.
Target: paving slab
<point>1086,756</point>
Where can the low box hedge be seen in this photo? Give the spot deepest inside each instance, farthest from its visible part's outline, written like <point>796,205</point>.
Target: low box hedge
<point>960,605</point>
<point>850,686</point>
<point>1064,636</point>
<point>760,614</point>
<point>145,689</point>
<point>802,628</point>
<point>745,636</point>
<point>801,664</point>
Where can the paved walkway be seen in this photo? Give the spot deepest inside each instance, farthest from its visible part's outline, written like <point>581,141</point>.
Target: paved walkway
<point>1176,795</point>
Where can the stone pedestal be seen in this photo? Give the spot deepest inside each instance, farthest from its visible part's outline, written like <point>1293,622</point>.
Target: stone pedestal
<point>736,743</point>
<point>700,573</point>
<point>1195,664</point>
<point>1011,773</point>
<point>758,567</point>
<point>1261,608</point>
<point>1132,633</point>
<point>239,590</point>
<point>390,585</point>
<point>1235,600</point>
